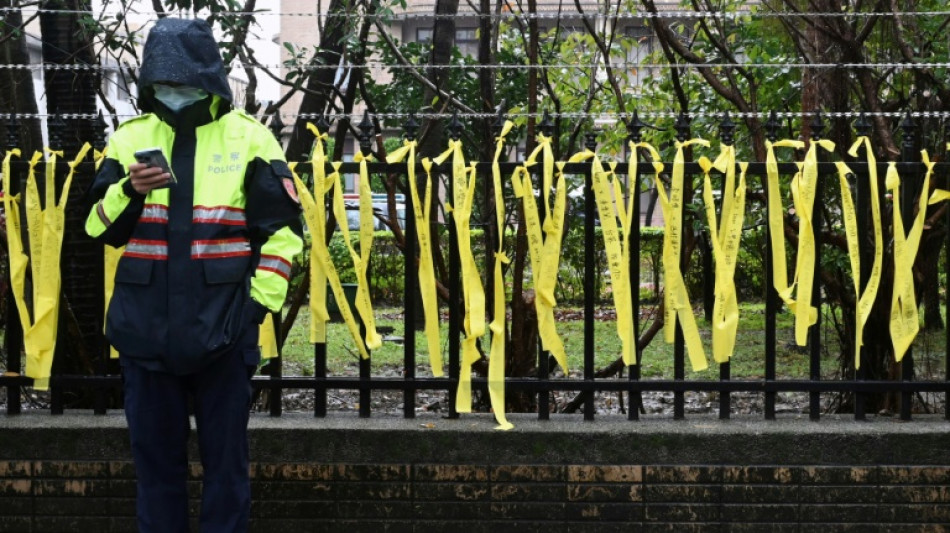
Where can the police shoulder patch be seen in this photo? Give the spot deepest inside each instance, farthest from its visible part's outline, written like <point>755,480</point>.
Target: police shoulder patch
<point>290,189</point>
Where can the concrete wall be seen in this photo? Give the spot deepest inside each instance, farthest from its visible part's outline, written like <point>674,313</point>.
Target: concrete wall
<point>72,473</point>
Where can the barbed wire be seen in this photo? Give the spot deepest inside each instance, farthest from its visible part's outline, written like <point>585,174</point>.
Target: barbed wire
<point>637,14</point>
<point>597,117</point>
<point>515,66</point>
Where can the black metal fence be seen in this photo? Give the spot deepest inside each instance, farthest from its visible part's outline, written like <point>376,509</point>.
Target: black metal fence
<point>911,168</point>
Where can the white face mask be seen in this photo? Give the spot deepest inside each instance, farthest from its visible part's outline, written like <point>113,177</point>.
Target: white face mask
<point>178,98</point>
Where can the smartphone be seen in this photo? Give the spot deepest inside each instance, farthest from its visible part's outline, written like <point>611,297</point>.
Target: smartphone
<point>154,157</point>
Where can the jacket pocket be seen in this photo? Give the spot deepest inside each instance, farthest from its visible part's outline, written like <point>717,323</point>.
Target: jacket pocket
<point>225,295</point>
<point>226,270</point>
<point>134,271</point>
<point>136,323</point>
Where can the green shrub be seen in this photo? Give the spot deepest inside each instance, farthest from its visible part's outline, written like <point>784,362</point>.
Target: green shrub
<point>387,272</point>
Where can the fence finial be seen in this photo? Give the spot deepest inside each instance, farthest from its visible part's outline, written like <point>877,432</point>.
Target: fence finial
<point>411,127</point>
<point>13,132</point>
<point>323,124</point>
<point>817,125</point>
<point>100,128</point>
<point>455,126</point>
<point>909,127</point>
<point>635,128</point>
<point>276,125</point>
<point>727,130</point>
<point>366,133</point>
<point>862,126</point>
<point>682,127</point>
<point>590,139</point>
<point>499,123</point>
<point>56,128</point>
<point>771,127</point>
<point>547,125</point>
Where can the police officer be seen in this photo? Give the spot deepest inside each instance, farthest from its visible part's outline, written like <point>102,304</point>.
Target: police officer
<point>206,256</point>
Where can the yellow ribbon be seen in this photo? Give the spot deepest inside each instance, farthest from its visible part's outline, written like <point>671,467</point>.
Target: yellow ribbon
<point>725,236</point>
<point>364,304</point>
<point>472,290</point>
<point>426,272</point>
<point>46,224</point>
<point>267,338</point>
<point>18,258</point>
<point>939,195</point>
<point>675,297</point>
<point>544,249</point>
<point>321,263</point>
<point>803,187</point>
<point>904,323</point>
<point>865,300</point>
<point>608,195</point>
<point>496,359</point>
<point>777,224</point>
<point>317,222</point>
<point>111,263</point>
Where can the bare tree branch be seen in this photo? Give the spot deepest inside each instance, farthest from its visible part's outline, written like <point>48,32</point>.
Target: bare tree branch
<point>667,36</point>
<point>394,48</point>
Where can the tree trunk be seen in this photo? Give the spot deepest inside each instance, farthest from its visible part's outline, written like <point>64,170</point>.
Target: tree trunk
<point>71,92</point>
<point>522,347</point>
<point>927,276</point>
<point>432,140</point>
<point>16,86</point>
<point>320,83</point>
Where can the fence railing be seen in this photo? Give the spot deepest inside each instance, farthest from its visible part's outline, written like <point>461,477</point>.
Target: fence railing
<point>542,384</point>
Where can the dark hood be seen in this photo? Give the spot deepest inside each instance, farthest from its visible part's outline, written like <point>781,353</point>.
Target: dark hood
<point>181,51</point>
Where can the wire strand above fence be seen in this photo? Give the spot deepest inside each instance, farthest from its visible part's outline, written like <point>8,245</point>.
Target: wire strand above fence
<point>636,14</point>
<point>514,66</point>
<point>597,118</point>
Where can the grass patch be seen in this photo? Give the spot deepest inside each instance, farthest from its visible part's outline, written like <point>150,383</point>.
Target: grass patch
<point>748,362</point>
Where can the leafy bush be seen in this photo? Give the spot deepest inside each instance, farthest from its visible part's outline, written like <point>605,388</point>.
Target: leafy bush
<point>387,271</point>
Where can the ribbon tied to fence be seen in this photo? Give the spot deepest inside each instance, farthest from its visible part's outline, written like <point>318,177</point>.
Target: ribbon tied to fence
<point>544,240</point>
<point>904,322</point>
<point>496,358</point>
<point>725,236</point>
<point>45,226</point>
<point>322,269</point>
<point>865,299</point>
<point>426,271</point>
<point>610,205</point>
<point>473,293</point>
<point>675,297</point>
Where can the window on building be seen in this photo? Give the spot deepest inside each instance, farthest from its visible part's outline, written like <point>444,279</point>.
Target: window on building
<point>424,35</point>
<point>466,39</point>
<point>643,39</point>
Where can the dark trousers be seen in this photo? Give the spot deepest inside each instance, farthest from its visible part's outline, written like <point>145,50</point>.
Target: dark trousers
<point>156,408</point>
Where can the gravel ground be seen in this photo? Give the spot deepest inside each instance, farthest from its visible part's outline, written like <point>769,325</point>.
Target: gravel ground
<point>391,402</point>
<point>654,403</point>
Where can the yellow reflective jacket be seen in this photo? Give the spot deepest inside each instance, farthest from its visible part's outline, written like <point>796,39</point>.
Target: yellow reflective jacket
<point>206,257</point>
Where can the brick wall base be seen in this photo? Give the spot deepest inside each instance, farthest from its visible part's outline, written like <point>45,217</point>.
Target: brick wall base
<point>72,473</point>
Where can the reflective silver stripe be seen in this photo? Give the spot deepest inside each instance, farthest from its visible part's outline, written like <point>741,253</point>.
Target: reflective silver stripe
<point>229,216</point>
<point>155,213</point>
<point>220,248</point>
<point>146,249</point>
<point>101,212</point>
<point>275,264</point>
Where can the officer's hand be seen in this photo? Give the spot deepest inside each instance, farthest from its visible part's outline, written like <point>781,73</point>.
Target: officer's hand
<point>145,178</point>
